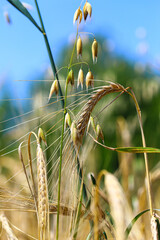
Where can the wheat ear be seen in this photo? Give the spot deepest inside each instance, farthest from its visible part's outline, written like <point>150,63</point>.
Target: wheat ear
<point>154,228</point>
<point>41,201</point>
<point>7,228</point>
<point>85,115</point>
<point>43,204</point>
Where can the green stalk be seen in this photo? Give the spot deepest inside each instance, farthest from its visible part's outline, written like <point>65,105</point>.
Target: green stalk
<point>49,52</point>
<point>60,162</point>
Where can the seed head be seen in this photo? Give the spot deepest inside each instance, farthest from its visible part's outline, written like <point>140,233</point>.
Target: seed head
<point>79,47</point>
<point>154,229</point>
<point>41,136</point>
<point>99,132</point>
<point>70,77</point>
<point>7,17</point>
<point>74,133</point>
<point>92,123</point>
<point>94,50</point>
<point>54,88</point>
<point>80,78</point>
<point>87,9</point>
<point>89,80</point>
<point>67,120</point>
<point>78,14</point>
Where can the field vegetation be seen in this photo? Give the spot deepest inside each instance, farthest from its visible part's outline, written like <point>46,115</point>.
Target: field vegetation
<point>82,160</point>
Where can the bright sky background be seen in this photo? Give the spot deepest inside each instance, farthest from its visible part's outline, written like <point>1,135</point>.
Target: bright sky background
<point>133,28</point>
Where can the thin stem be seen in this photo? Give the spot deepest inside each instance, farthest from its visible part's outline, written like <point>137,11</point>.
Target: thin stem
<point>60,163</point>
<point>89,33</point>
<point>62,136</point>
<point>80,63</point>
<point>49,52</point>
<point>78,212</point>
<point>25,172</point>
<point>145,154</point>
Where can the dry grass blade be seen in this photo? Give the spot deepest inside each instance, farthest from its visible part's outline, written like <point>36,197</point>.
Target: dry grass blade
<point>117,204</point>
<point>6,227</point>
<point>120,209</point>
<point>100,221</point>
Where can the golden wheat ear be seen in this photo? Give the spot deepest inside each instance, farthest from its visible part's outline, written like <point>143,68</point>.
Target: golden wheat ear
<point>43,203</point>
<point>40,195</point>
<point>7,228</point>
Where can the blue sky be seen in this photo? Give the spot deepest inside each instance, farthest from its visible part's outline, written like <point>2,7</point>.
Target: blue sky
<point>133,28</point>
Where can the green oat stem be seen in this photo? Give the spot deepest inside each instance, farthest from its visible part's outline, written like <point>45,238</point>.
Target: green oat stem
<point>49,52</point>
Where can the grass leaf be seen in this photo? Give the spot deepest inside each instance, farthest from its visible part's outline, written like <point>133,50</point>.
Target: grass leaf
<point>138,149</point>
<point>128,229</point>
<point>89,236</point>
<point>17,4</point>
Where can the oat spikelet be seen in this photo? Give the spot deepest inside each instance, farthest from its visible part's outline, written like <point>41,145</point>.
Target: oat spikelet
<point>79,47</point>
<point>54,89</point>
<point>78,14</point>
<point>7,228</point>
<point>154,229</point>
<point>80,78</point>
<point>99,132</point>
<point>68,121</point>
<point>88,108</point>
<point>89,80</point>
<point>70,77</point>
<point>41,136</point>
<point>74,133</point>
<point>87,9</point>
<point>43,205</point>
<point>94,51</point>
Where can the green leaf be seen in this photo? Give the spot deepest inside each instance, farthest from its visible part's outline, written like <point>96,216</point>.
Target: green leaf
<point>93,179</point>
<point>105,235</point>
<point>89,236</point>
<point>138,149</point>
<point>17,4</point>
<point>128,229</point>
